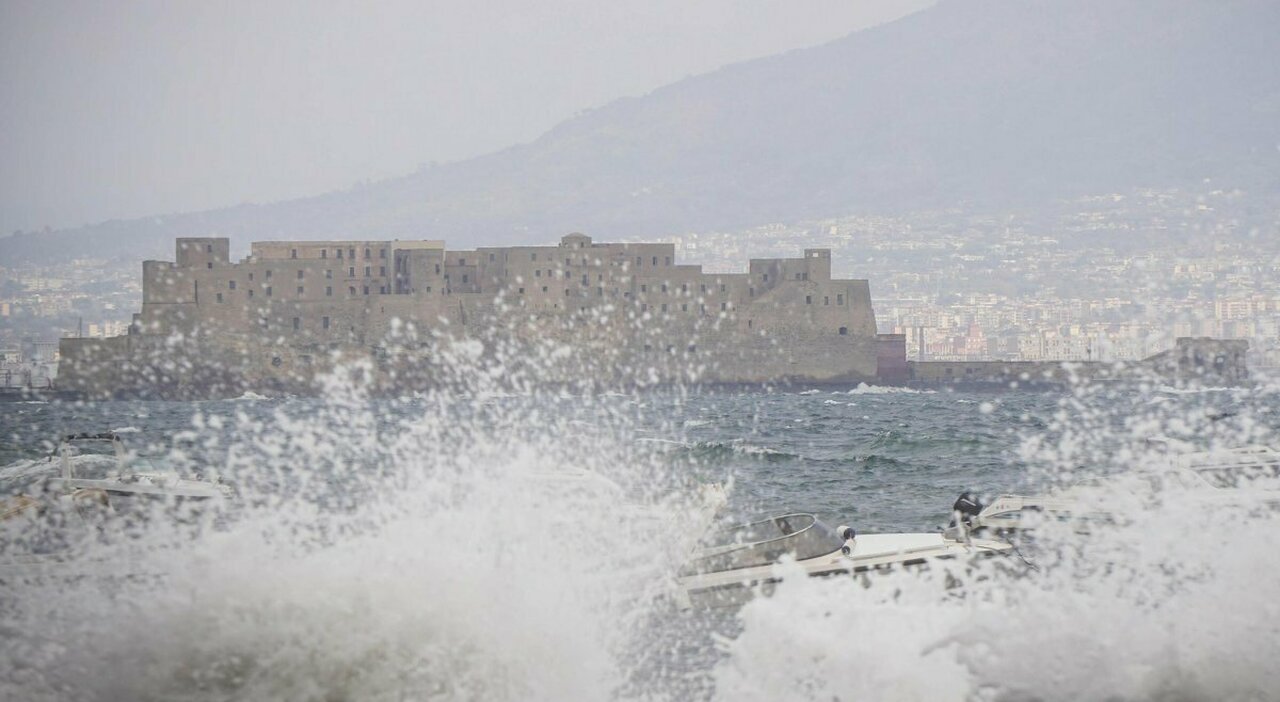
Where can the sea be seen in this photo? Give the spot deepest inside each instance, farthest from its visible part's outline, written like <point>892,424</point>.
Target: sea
<point>483,544</point>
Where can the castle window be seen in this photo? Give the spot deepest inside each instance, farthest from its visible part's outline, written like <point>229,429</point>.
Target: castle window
<point>367,253</point>
<point>339,252</point>
<point>268,274</point>
<point>209,265</point>
<point>293,253</point>
<point>250,276</point>
<point>297,323</point>
<point>351,254</point>
<point>544,288</point>
<point>586,280</point>
<point>437,269</point>
<point>765,277</point>
<point>537,273</point>
<point>299,290</point>
<point>664,307</point>
<point>366,290</point>
<point>324,322</point>
<point>693,348</point>
<point>844,331</point>
<point>521,291</point>
<point>684,287</point>
<point>648,347</point>
<point>826,300</point>
<point>382,290</point>
<point>464,277</point>
<point>797,276</point>
<point>724,306</point>
<point>533,256</point>
<point>566,292</point>
<point>664,287</point>
<point>568,262</point>
<point>231,284</point>
<point>268,291</point>
<point>382,271</point>
<point>351,291</point>
<point>299,275</point>
<point>808,299</point>
<point>219,297</point>
<point>639,261</point>
<point>328,291</point>
<point>382,253</point>
<point>351,271</point>
<point>251,294</point>
<point>324,253</point>
<point>490,258</point>
<point>367,269</point>
<point>328,273</point>
<point>684,307</point>
<point>655,260</point>
<point>751,323</point>
<point>840,299</point>
<point>722,287</point>
<point>208,248</point>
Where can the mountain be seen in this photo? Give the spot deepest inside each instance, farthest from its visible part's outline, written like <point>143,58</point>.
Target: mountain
<point>992,101</point>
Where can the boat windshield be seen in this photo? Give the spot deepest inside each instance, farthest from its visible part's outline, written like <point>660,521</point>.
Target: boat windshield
<point>764,542</point>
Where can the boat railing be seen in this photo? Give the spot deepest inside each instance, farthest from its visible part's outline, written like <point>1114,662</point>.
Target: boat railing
<point>764,542</point>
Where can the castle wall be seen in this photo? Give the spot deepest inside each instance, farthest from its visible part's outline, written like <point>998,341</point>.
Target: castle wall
<point>283,314</point>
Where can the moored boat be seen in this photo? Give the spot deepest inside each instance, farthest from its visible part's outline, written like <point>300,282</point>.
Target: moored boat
<point>736,563</point>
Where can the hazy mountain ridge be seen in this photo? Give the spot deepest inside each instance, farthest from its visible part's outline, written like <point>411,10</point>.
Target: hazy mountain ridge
<point>988,100</point>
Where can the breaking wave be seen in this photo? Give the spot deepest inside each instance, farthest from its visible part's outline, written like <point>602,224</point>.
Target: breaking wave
<point>485,543</point>
<point>1168,599</point>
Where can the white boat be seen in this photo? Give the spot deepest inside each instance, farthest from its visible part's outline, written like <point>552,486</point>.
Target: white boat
<point>113,482</point>
<point>736,563</point>
<point>1246,476</point>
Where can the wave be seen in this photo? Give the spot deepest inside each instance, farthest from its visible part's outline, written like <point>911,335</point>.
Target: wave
<point>864,389</point>
<point>1170,390</point>
<point>26,468</point>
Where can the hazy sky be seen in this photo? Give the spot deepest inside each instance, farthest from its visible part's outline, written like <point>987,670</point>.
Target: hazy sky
<point>124,109</point>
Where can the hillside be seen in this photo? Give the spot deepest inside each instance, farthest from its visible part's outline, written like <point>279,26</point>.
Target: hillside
<point>1000,101</point>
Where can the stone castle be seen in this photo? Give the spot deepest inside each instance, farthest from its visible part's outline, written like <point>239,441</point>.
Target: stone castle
<point>291,310</point>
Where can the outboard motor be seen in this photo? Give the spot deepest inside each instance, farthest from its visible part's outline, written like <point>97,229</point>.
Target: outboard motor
<point>965,508</point>
<point>962,514</point>
<point>848,534</point>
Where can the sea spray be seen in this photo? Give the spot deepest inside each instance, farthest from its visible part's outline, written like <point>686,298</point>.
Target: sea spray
<point>1170,599</point>
<point>455,548</point>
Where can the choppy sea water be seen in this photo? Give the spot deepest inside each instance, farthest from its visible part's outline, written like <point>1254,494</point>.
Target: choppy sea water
<point>407,549</point>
